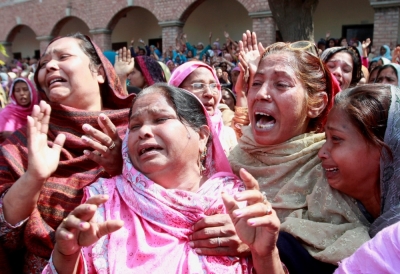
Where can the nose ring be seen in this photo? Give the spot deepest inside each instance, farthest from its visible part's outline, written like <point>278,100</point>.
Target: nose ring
<point>269,97</point>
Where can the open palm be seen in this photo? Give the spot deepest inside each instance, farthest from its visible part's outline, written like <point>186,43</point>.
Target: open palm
<point>42,159</point>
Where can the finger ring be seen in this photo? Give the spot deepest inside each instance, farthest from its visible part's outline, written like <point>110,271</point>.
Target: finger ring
<point>219,241</point>
<point>269,210</point>
<point>264,194</point>
<point>112,146</point>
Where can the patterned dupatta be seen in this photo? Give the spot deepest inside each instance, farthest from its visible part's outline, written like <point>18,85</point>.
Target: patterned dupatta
<point>327,223</point>
<point>158,221</point>
<point>390,169</point>
<point>63,191</point>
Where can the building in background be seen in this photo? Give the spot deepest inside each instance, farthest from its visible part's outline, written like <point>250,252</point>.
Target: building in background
<point>26,26</point>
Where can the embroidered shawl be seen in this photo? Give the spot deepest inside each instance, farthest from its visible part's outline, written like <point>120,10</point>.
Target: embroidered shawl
<point>390,169</point>
<point>158,221</point>
<point>157,226</point>
<point>379,255</point>
<point>324,220</point>
<point>63,191</point>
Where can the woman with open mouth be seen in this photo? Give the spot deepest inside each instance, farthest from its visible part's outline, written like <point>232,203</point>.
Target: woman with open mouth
<point>345,64</point>
<point>290,92</point>
<point>174,174</point>
<point>78,85</point>
<point>23,96</point>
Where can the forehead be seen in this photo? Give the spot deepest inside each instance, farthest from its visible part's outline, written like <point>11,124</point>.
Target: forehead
<point>65,43</point>
<point>389,70</point>
<point>342,56</point>
<point>153,101</point>
<point>339,119</point>
<point>280,61</point>
<point>201,73</point>
<point>21,84</point>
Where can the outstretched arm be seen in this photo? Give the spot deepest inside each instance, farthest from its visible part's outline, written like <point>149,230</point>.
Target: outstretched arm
<point>80,229</point>
<point>21,198</point>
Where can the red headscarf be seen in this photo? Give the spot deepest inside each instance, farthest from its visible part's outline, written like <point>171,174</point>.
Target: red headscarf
<point>63,190</point>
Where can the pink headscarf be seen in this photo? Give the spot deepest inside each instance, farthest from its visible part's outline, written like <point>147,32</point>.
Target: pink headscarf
<point>159,221</point>
<point>182,72</point>
<point>14,116</point>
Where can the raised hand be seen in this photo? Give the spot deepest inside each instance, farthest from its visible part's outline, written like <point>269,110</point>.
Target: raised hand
<point>106,144</point>
<point>366,43</point>
<point>42,159</point>
<point>250,55</point>
<point>124,63</point>
<point>257,224</point>
<point>226,34</point>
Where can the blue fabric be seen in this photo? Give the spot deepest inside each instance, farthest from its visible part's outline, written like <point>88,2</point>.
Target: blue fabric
<point>297,259</point>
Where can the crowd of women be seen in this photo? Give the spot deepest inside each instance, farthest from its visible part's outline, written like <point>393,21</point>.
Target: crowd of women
<point>288,164</point>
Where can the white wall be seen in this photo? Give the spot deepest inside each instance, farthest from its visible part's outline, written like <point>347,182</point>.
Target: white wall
<point>330,15</point>
<point>25,42</point>
<point>217,16</point>
<point>74,25</point>
<point>138,23</point>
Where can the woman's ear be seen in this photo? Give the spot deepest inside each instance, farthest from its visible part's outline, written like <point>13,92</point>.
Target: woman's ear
<point>101,75</point>
<point>318,107</point>
<point>204,134</point>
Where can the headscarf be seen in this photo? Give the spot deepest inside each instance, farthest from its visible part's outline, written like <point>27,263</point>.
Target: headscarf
<point>182,72</point>
<point>63,190</point>
<point>14,116</point>
<point>159,221</point>
<point>384,60</point>
<point>387,54</point>
<point>150,69</point>
<point>390,169</point>
<point>166,71</point>
<point>379,255</point>
<point>357,73</point>
<point>396,68</point>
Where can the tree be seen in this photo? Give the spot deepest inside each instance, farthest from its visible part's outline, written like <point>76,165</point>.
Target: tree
<point>294,18</point>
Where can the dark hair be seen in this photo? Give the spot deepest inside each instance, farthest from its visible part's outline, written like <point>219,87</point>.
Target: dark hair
<point>314,76</point>
<point>372,71</point>
<point>355,56</point>
<point>370,65</point>
<point>90,51</point>
<point>188,108</point>
<point>367,107</point>
<point>385,67</point>
<point>19,81</point>
<point>230,93</point>
<point>334,43</point>
<point>88,48</point>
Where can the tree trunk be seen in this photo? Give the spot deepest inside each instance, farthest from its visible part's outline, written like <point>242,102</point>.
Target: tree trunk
<point>294,18</point>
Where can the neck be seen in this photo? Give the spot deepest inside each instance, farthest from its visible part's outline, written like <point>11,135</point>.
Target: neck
<point>372,204</point>
<point>189,180</point>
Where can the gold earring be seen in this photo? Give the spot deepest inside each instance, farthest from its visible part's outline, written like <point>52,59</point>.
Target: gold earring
<point>202,157</point>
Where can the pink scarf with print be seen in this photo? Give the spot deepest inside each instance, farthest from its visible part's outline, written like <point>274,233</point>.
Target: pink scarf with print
<point>158,223</point>
<point>14,116</point>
